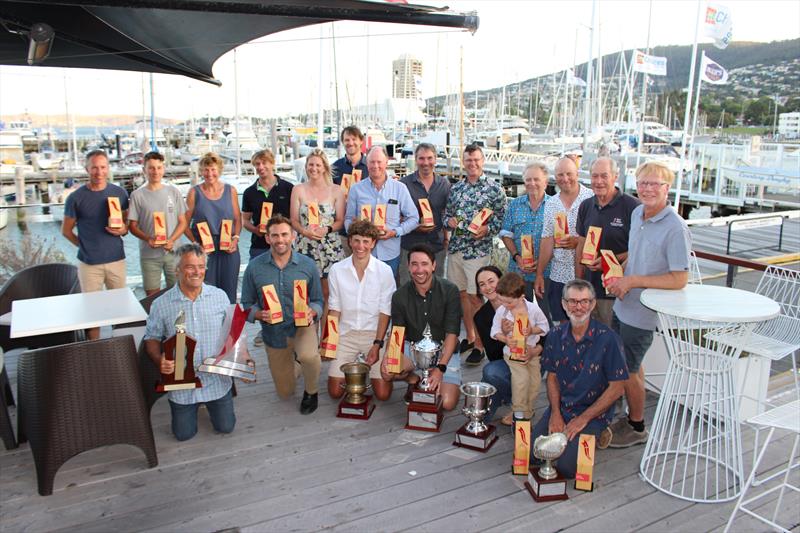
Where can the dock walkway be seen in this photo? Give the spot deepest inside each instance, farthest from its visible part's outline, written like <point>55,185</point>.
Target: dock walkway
<point>282,471</point>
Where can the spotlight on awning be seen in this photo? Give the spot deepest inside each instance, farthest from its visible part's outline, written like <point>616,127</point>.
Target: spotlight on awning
<point>41,41</point>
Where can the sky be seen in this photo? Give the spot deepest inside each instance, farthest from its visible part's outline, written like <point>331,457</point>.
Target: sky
<point>279,74</point>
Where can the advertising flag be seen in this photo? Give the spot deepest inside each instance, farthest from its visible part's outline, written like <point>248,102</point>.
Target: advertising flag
<point>717,24</point>
<point>712,72</point>
<point>653,65</point>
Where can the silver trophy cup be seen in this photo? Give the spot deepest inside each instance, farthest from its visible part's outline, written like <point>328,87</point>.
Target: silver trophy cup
<point>426,355</point>
<point>477,399</point>
<point>549,448</point>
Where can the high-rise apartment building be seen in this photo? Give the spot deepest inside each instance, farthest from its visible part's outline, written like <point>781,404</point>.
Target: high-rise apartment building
<point>407,72</point>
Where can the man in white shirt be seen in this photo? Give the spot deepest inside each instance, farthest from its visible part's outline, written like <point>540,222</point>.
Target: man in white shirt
<point>361,288</point>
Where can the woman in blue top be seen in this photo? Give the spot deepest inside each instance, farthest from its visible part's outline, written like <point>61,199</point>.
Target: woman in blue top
<point>212,202</point>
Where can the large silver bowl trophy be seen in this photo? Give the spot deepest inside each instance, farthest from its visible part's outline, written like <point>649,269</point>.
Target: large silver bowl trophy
<point>544,483</point>
<point>425,408</point>
<point>475,434</point>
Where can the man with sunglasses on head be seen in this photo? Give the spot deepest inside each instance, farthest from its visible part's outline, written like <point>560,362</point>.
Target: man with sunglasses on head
<point>658,258</point>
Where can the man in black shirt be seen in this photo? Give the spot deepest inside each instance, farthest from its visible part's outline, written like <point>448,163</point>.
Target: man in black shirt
<point>429,300</point>
<point>267,188</point>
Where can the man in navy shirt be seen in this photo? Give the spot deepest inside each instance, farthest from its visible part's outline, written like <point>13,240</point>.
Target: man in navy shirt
<point>585,374</point>
<point>101,256</point>
<point>354,159</point>
<point>609,209</point>
<point>267,188</point>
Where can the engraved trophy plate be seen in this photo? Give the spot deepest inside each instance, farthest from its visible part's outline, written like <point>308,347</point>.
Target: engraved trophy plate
<point>355,403</point>
<point>545,483</point>
<point>425,408</point>
<point>233,359</point>
<point>475,434</point>
<point>179,348</point>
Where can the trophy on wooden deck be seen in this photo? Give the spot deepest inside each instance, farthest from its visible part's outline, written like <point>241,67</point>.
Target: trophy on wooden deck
<point>355,403</point>
<point>232,358</point>
<point>425,408</point>
<point>476,435</point>
<point>179,348</point>
<point>545,483</point>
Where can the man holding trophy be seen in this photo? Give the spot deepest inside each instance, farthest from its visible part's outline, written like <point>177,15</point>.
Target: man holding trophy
<point>195,311</point>
<point>428,302</point>
<point>585,374</point>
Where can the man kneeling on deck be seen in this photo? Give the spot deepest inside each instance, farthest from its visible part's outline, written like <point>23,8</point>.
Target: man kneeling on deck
<point>428,300</point>
<point>585,374</point>
<point>361,288</point>
<point>204,307</point>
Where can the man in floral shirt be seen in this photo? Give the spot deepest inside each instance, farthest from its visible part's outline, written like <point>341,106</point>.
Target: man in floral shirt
<point>586,372</point>
<point>467,251</point>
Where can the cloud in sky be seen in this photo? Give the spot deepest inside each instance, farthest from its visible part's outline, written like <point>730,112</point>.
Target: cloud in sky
<point>279,74</point>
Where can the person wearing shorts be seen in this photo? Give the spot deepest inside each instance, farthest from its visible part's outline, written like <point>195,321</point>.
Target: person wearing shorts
<point>155,196</point>
<point>428,300</point>
<point>361,288</point>
<point>467,251</point>
<point>101,255</point>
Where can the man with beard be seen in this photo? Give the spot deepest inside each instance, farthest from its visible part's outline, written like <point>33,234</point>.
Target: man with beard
<point>585,374</point>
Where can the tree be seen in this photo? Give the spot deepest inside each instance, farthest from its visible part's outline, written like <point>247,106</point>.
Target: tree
<point>758,111</point>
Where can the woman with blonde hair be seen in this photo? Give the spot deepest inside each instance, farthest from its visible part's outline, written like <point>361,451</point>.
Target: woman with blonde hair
<point>317,214</point>
<point>214,203</point>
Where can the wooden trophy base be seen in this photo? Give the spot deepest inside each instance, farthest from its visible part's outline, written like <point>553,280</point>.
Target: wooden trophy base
<point>357,411</point>
<point>424,416</point>
<point>480,442</point>
<point>167,385</point>
<point>546,490</point>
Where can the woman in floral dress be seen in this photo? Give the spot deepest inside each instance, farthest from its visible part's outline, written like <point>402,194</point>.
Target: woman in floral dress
<point>321,241</point>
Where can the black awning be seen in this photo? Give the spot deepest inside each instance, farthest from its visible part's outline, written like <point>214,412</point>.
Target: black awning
<point>182,37</point>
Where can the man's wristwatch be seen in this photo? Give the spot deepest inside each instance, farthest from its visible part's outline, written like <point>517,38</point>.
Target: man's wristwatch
<point>442,368</point>
<point>379,342</point>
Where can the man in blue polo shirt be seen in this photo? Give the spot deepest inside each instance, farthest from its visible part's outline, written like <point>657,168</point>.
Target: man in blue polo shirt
<point>609,209</point>
<point>658,258</point>
<point>401,212</point>
<point>101,256</point>
<point>585,374</point>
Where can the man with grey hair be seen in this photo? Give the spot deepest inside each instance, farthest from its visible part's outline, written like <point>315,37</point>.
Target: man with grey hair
<point>609,209</point>
<point>562,250</point>
<point>204,307</point>
<point>425,184</point>
<point>585,374</point>
<point>379,193</point>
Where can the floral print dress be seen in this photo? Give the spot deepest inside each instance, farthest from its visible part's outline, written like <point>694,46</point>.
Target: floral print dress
<point>327,251</point>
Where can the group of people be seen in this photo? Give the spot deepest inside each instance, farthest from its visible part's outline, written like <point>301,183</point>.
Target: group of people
<point>371,254</point>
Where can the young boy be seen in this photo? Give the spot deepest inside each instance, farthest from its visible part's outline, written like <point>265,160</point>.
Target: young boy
<point>525,371</point>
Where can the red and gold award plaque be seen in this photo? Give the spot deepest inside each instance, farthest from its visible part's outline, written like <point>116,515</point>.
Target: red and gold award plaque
<point>206,240</point>
<point>583,475</point>
<point>519,336</point>
<point>356,175</point>
<point>394,352</point>
<point>330,338</point>
<point>179,348</point>
<point>266,214</point>
<point>366,212</point>
<point>159,227</point>
<point>528,260</point>
<point>380,217</point>
<point>592,245</point>
<point>481,218</point>
<point>114,213</point>
<point>313,214</point>
<point>560,228</point>
<point>426,213</point>
<point>272,305</point>
<point>225,234</point>
<point>611,267</point>
<point>347,182</point>
<point>302,317</point>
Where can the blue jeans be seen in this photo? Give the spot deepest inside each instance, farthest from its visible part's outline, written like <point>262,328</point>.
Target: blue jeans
<point>567,464</point>
<point>498,374</point>
<point>184,417</point>
<point>553,293</point>
<point>394,263</point>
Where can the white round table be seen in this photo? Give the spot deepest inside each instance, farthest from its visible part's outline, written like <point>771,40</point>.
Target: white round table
<point>694,450</point>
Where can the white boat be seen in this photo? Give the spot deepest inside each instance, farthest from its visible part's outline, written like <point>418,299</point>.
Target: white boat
<point>240,140</point>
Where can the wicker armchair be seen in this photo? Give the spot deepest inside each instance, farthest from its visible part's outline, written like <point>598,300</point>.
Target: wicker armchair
<point>6,399</point>
<point>39,281</point>
<point>77,397</point>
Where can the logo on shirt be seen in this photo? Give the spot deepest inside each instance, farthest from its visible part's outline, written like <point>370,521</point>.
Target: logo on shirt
<point>616,222</point>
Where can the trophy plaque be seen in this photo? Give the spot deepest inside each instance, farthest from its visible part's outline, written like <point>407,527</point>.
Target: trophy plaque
<point>591,247</point>
<point>583,475</point>
<point>475,434</point>
<point>528,259</point>
<point>233,359</point>
<point>355,403</point>
<point>115,220</point>
<point>179,348</point>
<point>380,217</point>
<point>347,182</point>
<point>266,214</point>
<point>159,227</point>
<point>481,218</point>
<point>426,213</point>
<point>561,227</point>
<point>545,483</point>
<point>425,408</point>
<point>226,234</point>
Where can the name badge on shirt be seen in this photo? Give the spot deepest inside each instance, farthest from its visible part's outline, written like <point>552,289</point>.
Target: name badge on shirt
<point>392,202</point>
